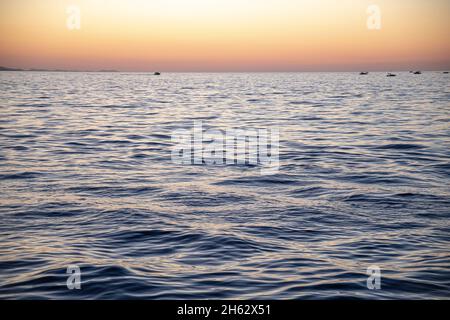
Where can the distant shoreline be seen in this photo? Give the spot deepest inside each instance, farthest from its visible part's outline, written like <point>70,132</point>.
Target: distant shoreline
<point>52,70</point>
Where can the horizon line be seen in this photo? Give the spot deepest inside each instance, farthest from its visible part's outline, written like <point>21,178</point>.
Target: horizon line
<point>16,69</point>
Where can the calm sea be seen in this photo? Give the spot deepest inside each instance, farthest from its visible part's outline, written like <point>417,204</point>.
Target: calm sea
<point>87,179</point>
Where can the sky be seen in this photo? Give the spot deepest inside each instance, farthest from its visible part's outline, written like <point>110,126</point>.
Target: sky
<point>226,35</point>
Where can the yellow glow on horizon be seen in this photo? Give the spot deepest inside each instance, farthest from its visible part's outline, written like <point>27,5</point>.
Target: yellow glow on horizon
<point>224,34</point>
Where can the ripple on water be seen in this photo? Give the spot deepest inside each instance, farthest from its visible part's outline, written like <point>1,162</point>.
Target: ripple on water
<point>87,179</point>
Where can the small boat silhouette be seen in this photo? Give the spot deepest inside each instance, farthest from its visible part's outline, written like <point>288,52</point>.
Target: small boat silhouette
<point>391,75</point>
<point>417,72</point>
<point>363,73</point>
<point>157,73</point>
<point>445,72</point>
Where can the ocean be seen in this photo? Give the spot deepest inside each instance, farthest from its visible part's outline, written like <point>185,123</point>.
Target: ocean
<point>358,208</point>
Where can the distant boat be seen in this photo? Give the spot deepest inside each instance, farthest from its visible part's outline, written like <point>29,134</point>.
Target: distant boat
<point>157,73</point>
<point>417,72</point>
<point>445,72</point>
<point>391,75</point>
<point>363,73</point>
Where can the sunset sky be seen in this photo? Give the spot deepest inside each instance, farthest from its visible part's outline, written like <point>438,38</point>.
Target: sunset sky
<point>226,35</point>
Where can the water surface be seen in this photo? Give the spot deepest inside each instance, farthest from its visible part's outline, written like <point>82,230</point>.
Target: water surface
<point>86,178</point>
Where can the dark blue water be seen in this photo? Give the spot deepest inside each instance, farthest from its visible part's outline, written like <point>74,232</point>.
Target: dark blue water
<point>86,178</point>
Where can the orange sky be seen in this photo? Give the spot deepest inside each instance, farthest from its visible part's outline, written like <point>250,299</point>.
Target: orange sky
<point>226,35</point>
